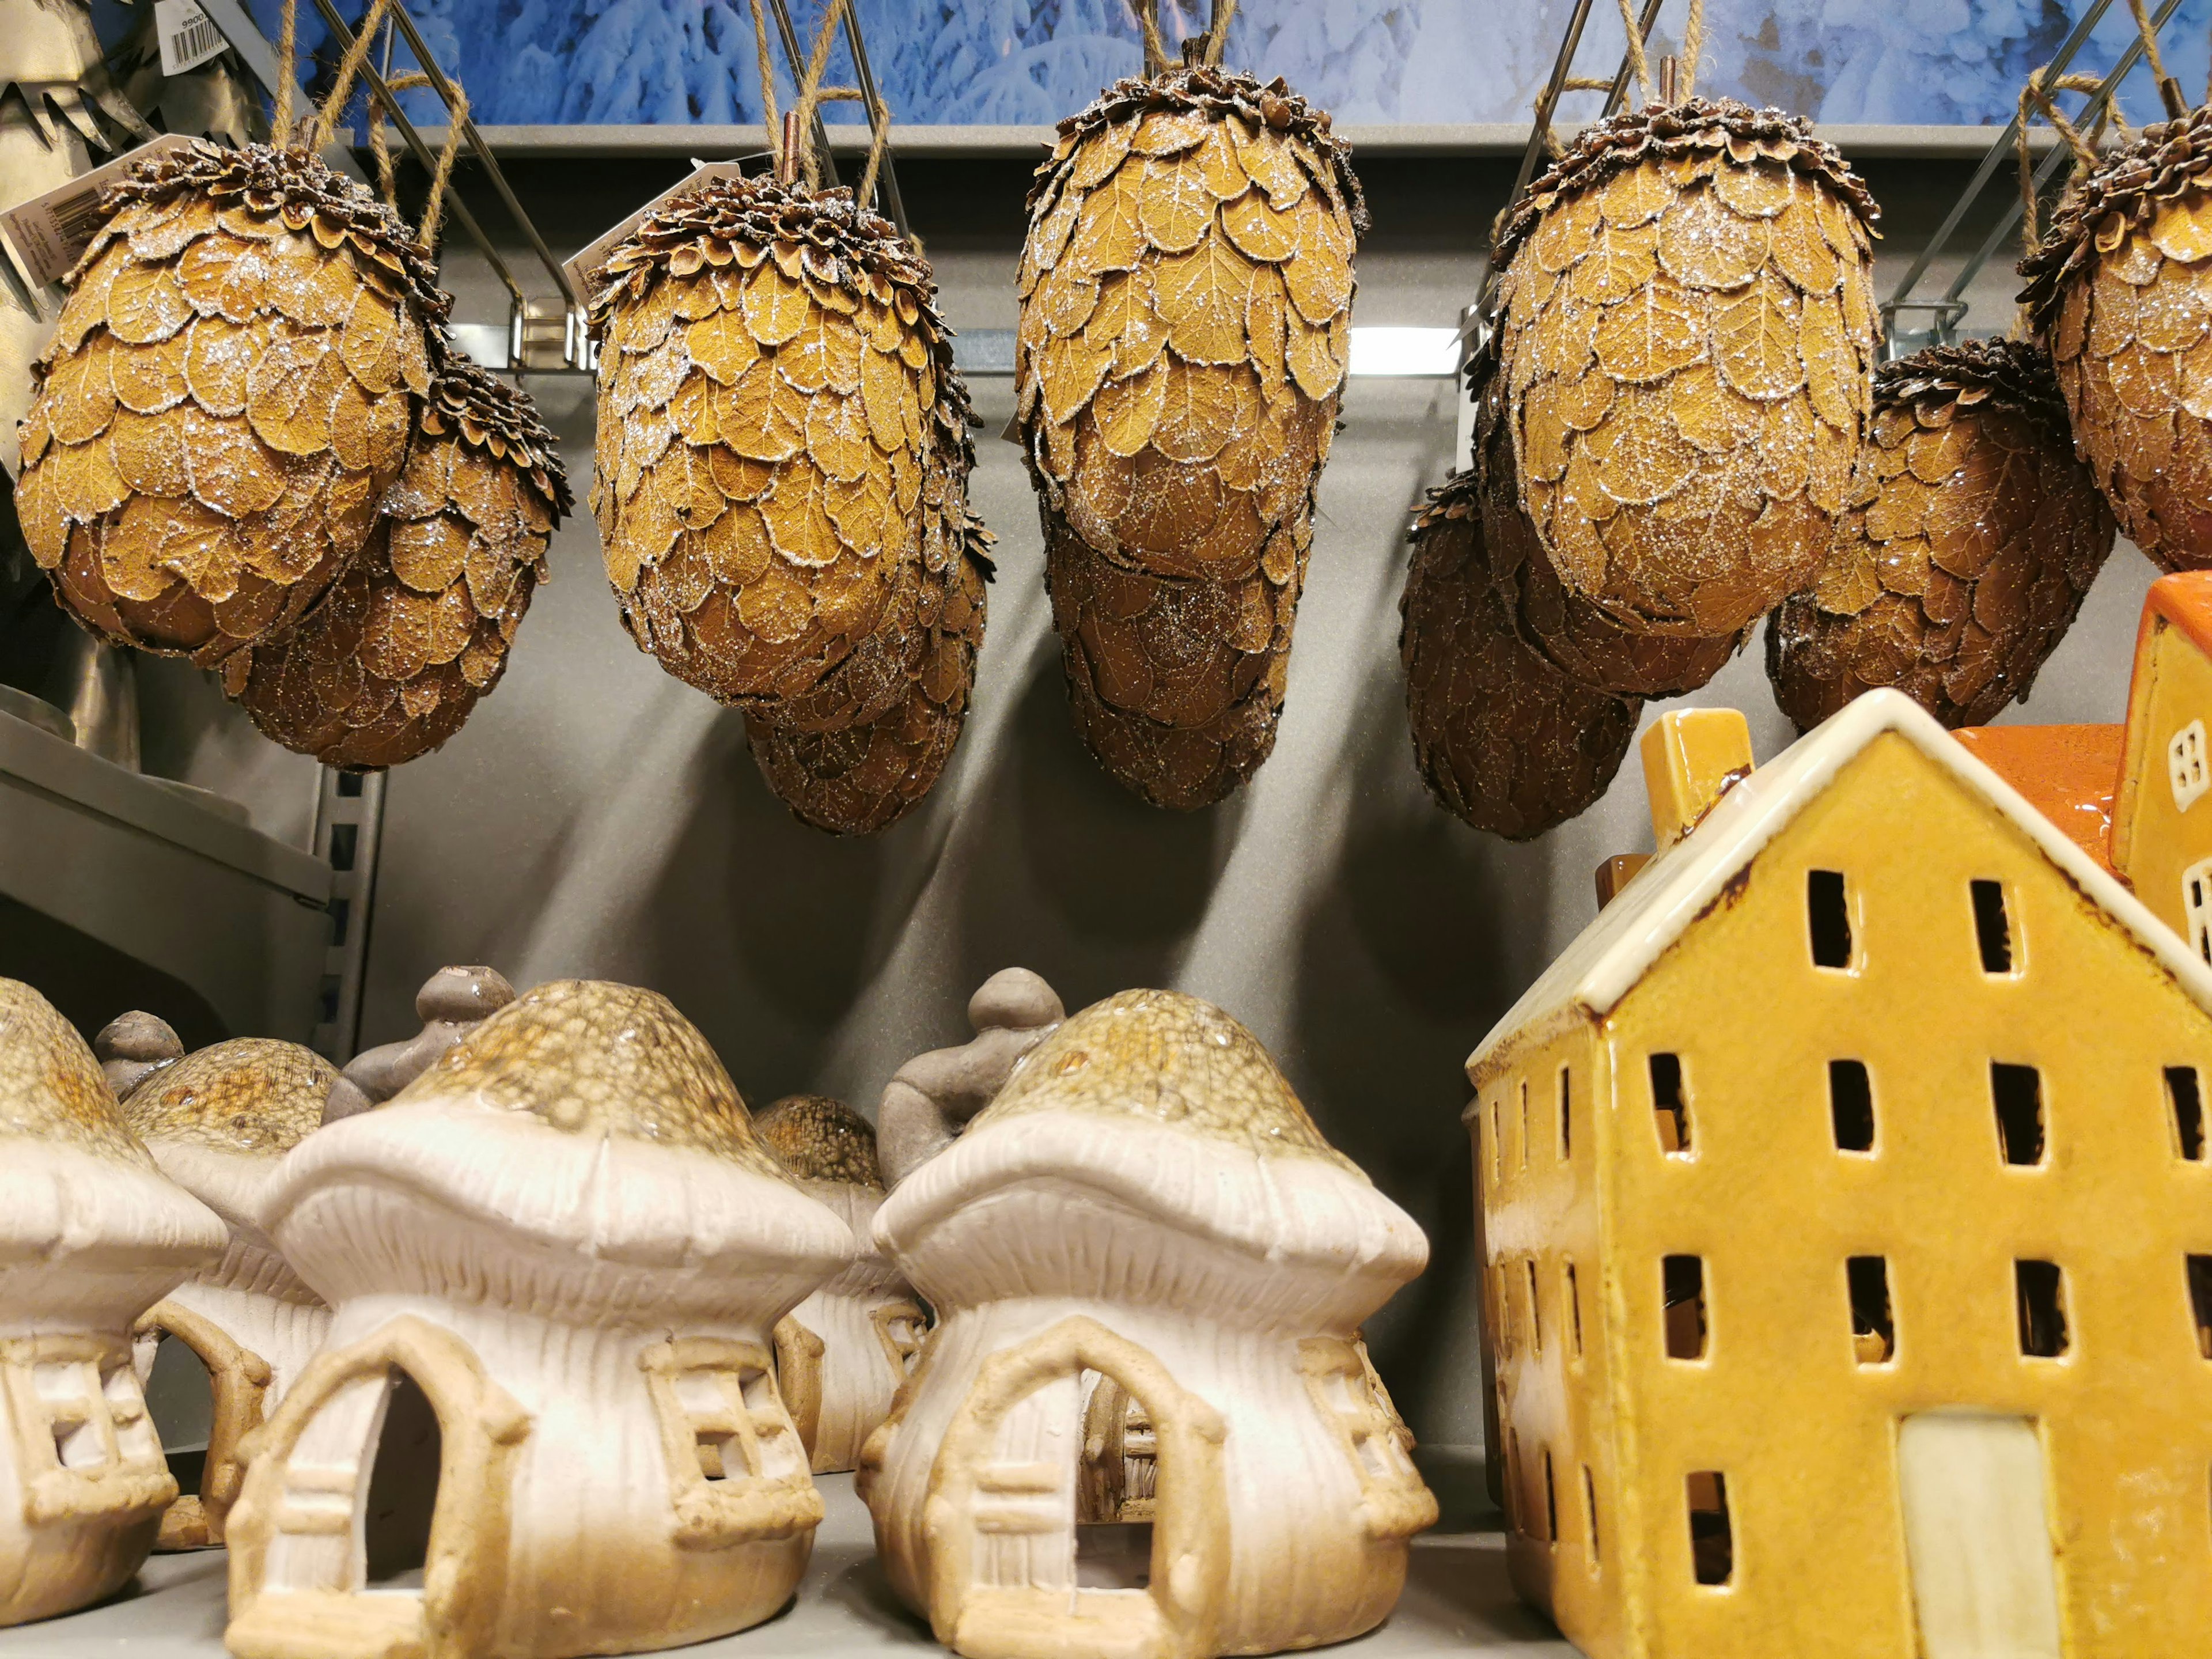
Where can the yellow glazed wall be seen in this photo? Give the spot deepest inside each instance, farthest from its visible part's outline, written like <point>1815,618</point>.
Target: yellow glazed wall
<point>1805,1435</point>
<point>2156,840</point>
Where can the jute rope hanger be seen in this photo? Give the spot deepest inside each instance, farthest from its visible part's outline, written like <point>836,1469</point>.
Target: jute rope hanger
<point>1214,41</point>
<point>323,122</point>
<point>794,158</point>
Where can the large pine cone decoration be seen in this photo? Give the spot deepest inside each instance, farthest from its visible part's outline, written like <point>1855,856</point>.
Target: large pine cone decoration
<point>228,396</point>
<point>2120,293</point>
<point>389,664</point>
<point>782,465</point>
<point>1687,326</point>
<point>1186,326</point>
<point>1972,536</point>
<point>1503,738</point>
<point>1583,641</point>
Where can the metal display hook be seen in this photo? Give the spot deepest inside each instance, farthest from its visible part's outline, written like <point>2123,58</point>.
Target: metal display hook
<point>1951,309</point>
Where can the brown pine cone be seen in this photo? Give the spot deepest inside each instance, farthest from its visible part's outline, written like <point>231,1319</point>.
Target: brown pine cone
<point>853,777</point>
<point>1687,327</point>
<point>1186,325</point>
<point>1972,536</point>
<point>227,395</point>
<point>1583,641</point>
<point>1503,738</point>
<point>391,664</point>
<point>2120,293</point>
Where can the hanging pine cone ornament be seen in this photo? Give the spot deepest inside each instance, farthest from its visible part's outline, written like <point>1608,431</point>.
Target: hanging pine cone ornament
<point>1185,329</point>
<point>1583,641</point>
<point>389,664</point>
<point>783,440</point>
<point>2120,292</point>
<point>229,392</point>
<point>1972,536</point>
<point>1687,326</point>
<point>1503,740</point>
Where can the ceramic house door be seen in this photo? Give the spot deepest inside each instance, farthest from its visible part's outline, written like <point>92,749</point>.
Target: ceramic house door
<point>1977,1536</point>
<point>1024,1514</point>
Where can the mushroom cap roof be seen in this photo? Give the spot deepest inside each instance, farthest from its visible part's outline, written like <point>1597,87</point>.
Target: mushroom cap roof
<point>251,1095</point>
<point>51,1085</point>
<point>819,1139</point>
<point>594,1058</point>
<point>1174,1059</point>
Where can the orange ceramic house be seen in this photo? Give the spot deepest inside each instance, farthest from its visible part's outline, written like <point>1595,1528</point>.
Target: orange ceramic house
<point>2163,820</point>
<point>1848,1227</point>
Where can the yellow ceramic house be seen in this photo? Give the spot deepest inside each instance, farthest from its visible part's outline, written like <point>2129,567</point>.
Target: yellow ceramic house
<point>1848,1227</point>
<point>2162,819</point>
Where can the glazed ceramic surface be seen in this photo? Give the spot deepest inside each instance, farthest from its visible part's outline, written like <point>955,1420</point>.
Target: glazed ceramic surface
<point>1149,1269</point>
<point>2163,820</point>
<point>1799,1173</point>
<point>91,1235</point>
<point>558,1257</point>
<point>218,1123</point>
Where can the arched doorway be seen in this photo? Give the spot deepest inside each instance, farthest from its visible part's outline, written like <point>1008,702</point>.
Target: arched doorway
<point>237,1387</point>
<point>301,1561</point>
<point>1007,1500</point>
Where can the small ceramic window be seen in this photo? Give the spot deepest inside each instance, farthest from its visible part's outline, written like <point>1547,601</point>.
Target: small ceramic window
<point>902,1328</point>
<point>2196,906</point>
<point>737,1470</point>
<point>2185,764</point>
<point>1344,1386</point>
<point>83,1437</point>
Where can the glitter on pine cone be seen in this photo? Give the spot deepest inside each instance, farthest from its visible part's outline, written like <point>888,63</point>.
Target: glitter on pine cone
<point>230,391</point>
<point>2120,290</point>
<point>1503,740</point>
<point>1971,538</point>
<point>782,462</point>
<point>1581,641</point>
<point>1185,322</point>
<point>1686,322</point>
<point>392,662</point>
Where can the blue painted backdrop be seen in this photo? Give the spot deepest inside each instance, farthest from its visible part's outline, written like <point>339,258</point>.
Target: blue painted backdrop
<point>1028,61</point>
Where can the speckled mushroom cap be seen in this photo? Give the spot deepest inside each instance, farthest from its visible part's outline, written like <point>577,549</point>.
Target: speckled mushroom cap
<point>1154,1145</point>
<point>585,1145</point>
<point>819,1139</point>
<point>251,1095</point>
<point>90,1232</point>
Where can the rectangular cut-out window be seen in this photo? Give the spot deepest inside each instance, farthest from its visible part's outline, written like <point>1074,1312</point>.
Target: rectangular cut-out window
<point>2185,764</point>
<point>1992,927</point>
<point>2197,907</point>
<point>2041,1290</point>
<point>1535,1308</point>
<point>1575,1310</point>
<point>1873,1325</point>
<point>1589,1514</point>
<point>1977,1544</point>
<point>1828,918</point>
<point>1713,1539</point>
<point>2199,1269</point>
<point>1551,1502</point>
<point>1669,1104</point>
<point>2183,1095</point>
<point>1682,1282</point>
<point>2017,1093</point>
<point>1566,1114</point>
<point>1525,1123</point>
<point>1497,1152</point>
<point>1851,1105</point>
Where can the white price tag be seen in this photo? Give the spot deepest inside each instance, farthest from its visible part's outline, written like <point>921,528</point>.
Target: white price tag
<point>50,233</point>
<point>580,265</point>
<point>189,37</point>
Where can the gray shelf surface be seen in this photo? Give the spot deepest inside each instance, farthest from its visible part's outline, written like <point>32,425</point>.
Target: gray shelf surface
<point>1457,1602</point>
<point>177,885</point>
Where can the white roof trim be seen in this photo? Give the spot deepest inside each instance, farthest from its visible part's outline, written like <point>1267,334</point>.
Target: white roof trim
<point>1614,952</point>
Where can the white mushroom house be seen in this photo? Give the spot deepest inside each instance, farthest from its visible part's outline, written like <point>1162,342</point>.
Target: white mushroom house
<point>1142,1425</point>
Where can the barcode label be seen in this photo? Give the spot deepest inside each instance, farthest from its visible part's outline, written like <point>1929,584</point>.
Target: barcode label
<point>50,233</point>
<point>189,38</point>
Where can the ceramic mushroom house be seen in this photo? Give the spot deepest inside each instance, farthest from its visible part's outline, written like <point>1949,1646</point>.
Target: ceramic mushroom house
<point>218,1123</point>
<point>91,1235</point>
<point>1149,1269</point>
<point>842,1353</point>
<point>557,1257</point>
